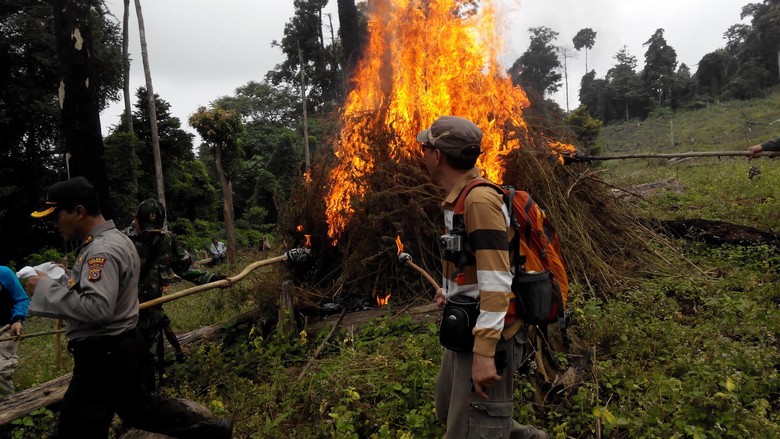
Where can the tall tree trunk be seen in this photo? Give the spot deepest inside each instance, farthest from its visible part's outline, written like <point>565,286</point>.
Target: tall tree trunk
<point>586,60</point>
<point>349,33</point>
<point>126,67</point>
<point>227,196</point>
<point>306,152</point>
<point>152,106</point>
<point>78,94</point>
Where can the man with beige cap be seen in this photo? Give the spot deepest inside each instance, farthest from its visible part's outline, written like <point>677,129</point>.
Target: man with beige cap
<point>474,389</point>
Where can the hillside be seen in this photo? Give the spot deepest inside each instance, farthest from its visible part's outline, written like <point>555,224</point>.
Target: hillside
<point>732,125</point>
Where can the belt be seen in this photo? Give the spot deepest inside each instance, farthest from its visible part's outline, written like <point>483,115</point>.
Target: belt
<point>99,343</point>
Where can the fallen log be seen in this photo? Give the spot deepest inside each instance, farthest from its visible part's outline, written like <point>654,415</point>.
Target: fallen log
<point>19,404</point>
<point>718,232</point>
<point>429,311</point>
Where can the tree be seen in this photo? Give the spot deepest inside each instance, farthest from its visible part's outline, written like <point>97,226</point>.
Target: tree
<point>660,64</point>
<point>353,33</point>
<point>126,66</point>
<point>592,95</point>
<point>160,184</point>
<point>624,83</point>
<point>537,68</point>
<point>684,87</point>
<point>586,128</point>
<point>221,129</point>
<point>31,146</point>
<point>712,73</point>
<point>585,38</point>
<point>764,39</point>
<point>320,63</point>
<point>79,95</point>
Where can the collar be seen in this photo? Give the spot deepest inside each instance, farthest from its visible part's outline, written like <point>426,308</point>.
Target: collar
<point>470,175</point>
<point>107,225</point>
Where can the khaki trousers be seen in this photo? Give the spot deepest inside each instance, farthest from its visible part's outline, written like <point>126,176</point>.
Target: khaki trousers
<point>468,416</point>
<point>8,362</point>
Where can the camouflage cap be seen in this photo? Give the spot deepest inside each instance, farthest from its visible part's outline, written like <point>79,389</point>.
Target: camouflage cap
<point>150,215</point>
<point>454,136</point>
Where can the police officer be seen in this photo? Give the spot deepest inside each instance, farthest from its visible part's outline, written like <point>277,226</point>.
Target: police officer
<point>163,262</point>
<point>100,307</point>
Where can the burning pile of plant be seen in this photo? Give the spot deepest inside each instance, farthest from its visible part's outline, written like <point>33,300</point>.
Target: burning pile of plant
<point>424,60</point>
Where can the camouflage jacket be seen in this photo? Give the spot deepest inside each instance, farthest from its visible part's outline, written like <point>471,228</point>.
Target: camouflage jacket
<point>171,263</point>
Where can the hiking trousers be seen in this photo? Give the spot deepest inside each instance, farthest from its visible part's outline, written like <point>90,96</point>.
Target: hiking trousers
<point>468,416</point>
<point>8,362</point>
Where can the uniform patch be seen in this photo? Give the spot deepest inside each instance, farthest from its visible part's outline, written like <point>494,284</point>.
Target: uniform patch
<point>94,274</point>
<point>95,268</point>
<point>96,263</point>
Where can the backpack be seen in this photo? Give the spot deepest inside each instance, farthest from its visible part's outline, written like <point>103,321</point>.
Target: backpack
<point>540,285</point>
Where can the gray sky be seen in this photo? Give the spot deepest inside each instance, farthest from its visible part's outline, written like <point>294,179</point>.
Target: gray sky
<point>200,50</point>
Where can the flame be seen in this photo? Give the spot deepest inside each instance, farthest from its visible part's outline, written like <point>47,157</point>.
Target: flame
<point>299,228</point>
<point>562,149</point>
<point>399,244</point>
<point>424,59</point>
<point>307,244</point>
<point>383,301</point>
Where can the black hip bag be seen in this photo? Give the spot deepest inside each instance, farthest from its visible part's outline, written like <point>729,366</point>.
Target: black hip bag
<point>458,319</point>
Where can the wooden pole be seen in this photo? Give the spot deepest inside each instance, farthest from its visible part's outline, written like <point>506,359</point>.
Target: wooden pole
<point>424,273</point>
<point>678,155</point>
<point>189,291</point>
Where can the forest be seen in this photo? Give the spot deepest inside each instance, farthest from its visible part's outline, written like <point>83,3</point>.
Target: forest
<point>675,329</point>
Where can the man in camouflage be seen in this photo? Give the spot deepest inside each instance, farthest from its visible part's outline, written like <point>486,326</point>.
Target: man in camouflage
<point>163,262</point>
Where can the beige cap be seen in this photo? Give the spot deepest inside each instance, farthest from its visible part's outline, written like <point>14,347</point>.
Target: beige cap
<point>453,136</point>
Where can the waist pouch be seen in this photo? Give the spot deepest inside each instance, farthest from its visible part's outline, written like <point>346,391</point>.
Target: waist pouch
<point>536,298</point>
<point>458,319</point>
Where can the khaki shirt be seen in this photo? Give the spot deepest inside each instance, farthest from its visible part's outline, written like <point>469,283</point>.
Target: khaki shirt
<point>103,294</point>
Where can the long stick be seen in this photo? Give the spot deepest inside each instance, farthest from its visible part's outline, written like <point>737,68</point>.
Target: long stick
<point>677,155</point>
<point>424,273</point>
<point>189,291</point>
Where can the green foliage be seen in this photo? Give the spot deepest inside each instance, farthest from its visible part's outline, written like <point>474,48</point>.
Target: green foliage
<point>320,62</point>
<point>660,64</point>
<point>122,163</point>
<point>47,255</point>
<point>538,67</point>
<point>36,424</point>
<point>586,128</point>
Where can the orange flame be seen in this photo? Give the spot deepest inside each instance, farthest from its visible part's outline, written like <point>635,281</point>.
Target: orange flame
<point>399,244</point>
<point>561,149</point>
<point>383,301</point>
<point>424,59</point>
<point>299,228</point>
<point>307,244</point>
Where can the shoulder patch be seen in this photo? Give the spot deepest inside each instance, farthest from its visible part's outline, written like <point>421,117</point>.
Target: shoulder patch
<point>94,274</point>
<point>95,268</point>
<point>97,262</point>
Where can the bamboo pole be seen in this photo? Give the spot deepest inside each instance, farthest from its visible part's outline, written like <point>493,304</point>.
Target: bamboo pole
<point>675,155</point>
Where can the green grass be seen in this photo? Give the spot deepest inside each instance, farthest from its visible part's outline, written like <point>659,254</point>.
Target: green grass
<point>725,126</point>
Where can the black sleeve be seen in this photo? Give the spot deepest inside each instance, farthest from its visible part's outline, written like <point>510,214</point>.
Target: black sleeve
<point>771,145</point>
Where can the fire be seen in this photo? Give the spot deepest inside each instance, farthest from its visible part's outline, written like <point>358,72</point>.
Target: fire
<point>424,59</point>
<point>399,244</point>
<point>299,228</point>
<point>562,149</point>
<point>383,301</point>
<point>307,244</point>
